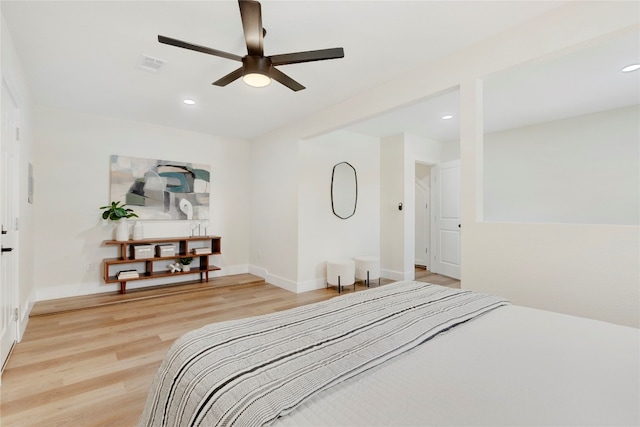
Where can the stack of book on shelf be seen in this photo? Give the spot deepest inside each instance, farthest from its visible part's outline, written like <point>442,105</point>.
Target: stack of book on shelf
<point>201,251</point>
<point>128,274</point>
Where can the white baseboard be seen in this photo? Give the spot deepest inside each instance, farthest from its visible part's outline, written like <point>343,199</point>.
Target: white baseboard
<point>319,283</point>
<point>312,285</point>
<point>79,289</point>
<point>398,275</point>
<point>280,282</point>
<point>25,312</point>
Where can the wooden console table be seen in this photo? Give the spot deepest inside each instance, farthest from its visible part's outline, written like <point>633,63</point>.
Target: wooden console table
<point>184,247</point>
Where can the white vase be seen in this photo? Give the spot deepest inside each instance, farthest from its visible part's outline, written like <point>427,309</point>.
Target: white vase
<point>122,231</point>
<point>186,267</point>
<point>138,231</point>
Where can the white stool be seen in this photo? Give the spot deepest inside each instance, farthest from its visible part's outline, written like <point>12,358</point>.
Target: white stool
<point>367,268</point>
<point>341,272</point>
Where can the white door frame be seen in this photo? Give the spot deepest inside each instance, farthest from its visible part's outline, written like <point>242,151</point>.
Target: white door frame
<point>9,184</point>
<point>423,254</point>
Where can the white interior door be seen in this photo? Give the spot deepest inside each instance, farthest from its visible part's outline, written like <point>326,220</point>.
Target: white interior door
<point>423,219</point>
<point>446,182</point>
<point>8,221</point>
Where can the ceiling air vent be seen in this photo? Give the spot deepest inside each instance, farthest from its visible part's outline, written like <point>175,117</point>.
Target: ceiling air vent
<point>151,64</point>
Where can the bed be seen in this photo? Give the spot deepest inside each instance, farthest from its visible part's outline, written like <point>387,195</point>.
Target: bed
<point>403,354</point>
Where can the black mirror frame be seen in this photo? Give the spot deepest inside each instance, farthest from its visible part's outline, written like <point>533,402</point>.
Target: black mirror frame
<point>355,202</point>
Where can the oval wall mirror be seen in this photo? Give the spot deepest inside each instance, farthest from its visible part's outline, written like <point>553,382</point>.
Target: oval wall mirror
<point>344,190</point>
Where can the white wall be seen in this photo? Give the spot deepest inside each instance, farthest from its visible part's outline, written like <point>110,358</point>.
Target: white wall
<point>583,270</point>
<point>561,30</point>
<point>321,234</point>
<point>399,154</point>
<point>392,192</point>
<point>72,154</point>
<point>450,151</point>
<point>582,170</point>
<point>274,211</point>
<point>12,73</point>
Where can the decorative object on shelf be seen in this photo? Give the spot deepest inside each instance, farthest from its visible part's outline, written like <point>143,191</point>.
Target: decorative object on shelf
<point>128,274</point>
<point>193,225</point>
<point>165,250</point>
<point>174,268</point>
<point>142,251</point>
<point>138,231</point>
<point>117,212</point>
<point>161,189</point>
<point>198,227</point>
<point>204,224</point>
<point>122,231</point>
<point>185,263</point>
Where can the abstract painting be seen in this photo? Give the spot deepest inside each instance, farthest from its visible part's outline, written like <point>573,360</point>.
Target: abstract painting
<point>161,189</point>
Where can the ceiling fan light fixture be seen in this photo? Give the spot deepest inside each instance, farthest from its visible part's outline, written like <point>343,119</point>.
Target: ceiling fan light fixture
<point>256,79</point>
<point>255,70</point>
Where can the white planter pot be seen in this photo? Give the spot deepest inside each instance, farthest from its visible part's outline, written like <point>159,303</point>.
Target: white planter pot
<point>122,231</point>
<point>186,267</point>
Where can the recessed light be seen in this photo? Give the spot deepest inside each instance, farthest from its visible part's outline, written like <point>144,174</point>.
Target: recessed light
<point>189,101</point>
<point>630,68</point>
<point>447,117</point>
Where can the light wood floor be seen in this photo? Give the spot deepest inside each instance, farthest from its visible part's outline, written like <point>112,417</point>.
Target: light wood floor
<point>79,366</point>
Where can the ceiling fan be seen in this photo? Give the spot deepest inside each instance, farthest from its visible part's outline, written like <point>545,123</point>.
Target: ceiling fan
<point>258,70</point>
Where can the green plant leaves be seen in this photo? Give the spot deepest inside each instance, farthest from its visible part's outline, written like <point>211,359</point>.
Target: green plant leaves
<point>115,211</point>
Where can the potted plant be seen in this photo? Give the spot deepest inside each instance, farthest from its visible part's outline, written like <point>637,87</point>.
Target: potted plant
<point>116,212</point>
<point>185,263</point>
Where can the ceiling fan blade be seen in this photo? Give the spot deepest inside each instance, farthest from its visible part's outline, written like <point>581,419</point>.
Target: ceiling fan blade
<point>251,14</point>
<point>281,77</point>
<point>198,48</point>
<point>308,56</point>
<point>234,75</point>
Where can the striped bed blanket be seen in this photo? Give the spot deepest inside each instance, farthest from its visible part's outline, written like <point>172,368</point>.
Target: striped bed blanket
<point>251,371</point>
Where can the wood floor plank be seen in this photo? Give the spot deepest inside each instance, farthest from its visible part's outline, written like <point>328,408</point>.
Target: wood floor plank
<point>91,361</point>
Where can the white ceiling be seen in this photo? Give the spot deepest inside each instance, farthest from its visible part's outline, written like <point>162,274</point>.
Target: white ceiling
<point>82,55</point>
<point>585,81</point>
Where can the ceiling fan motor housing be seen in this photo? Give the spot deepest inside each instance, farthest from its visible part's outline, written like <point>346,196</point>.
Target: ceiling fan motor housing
<point>256,64</point>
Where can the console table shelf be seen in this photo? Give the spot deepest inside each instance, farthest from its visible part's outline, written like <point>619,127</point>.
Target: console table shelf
<point>184,249</point>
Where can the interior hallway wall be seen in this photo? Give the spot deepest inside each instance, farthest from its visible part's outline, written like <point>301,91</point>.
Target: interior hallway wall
<point>322,235</point>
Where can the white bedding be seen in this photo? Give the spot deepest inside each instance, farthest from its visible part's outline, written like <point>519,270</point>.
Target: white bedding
<point>510,367</point>
<point>251,371</point>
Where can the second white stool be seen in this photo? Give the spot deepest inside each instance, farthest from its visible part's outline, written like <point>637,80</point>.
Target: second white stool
<point>341,272</point>
<point>367,268</point>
